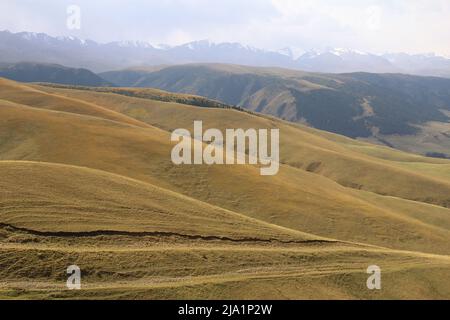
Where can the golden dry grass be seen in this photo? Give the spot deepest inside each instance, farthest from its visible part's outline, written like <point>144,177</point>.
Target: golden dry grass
<point>342,159</point>
<point>87,179</point>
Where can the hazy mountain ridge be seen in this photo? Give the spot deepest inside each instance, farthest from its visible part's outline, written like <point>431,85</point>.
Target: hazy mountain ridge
<point>53,73</point>
<point>73,52</point>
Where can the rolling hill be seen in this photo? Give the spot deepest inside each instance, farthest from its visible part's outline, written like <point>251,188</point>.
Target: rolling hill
<point>409,113</point>
<point>40,72</point>
<point>88,180</point>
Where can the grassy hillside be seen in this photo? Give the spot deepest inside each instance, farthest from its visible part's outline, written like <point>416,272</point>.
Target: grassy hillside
<point>87,179</point>
<point>348,162</point>
<point>42,72</point>
<point>141,242</point>
<point>151,94</point>
<point>378,107</point>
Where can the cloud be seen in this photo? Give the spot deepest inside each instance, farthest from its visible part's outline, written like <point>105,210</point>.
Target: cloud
<point>394,25</point>
<point>371,25</point>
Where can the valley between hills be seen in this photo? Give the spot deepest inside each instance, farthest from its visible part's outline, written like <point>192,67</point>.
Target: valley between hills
<point>87,179</point>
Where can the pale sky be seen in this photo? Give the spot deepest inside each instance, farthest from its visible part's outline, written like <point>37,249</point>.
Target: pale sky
<point>414,26</point>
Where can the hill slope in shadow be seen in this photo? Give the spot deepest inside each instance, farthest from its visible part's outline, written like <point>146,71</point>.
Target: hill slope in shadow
<point>407,112</point>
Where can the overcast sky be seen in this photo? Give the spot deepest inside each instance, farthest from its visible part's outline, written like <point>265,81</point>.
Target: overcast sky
<point>379,26</point>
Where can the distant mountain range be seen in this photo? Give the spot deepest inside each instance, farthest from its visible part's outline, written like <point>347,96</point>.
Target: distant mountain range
<point>407,112</point>
<point>73,52</point>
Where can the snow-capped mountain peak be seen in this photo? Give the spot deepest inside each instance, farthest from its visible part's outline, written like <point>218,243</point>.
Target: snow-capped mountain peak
<point>198,44</point>
<point>72,51</point>
<point>343,51</point>
<point>134,44</point>
<point>286,52</point>
<point>339,52</point>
